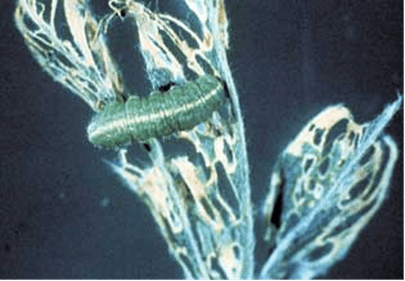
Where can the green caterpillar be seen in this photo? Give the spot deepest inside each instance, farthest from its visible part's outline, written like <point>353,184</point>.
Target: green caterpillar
<point>159,114</point>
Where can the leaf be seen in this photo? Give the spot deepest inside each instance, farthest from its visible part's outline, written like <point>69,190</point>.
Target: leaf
<point>331,179</point>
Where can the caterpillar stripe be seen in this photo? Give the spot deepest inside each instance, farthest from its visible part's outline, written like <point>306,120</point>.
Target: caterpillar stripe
<point>159,114</point>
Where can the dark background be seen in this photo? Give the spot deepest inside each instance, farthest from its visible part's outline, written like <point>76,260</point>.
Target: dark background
<point>64,214</point>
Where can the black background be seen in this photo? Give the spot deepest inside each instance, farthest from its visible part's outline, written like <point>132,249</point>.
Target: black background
<point>290,59</point>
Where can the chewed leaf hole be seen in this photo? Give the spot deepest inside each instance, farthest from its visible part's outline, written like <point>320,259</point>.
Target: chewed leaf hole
<point>323,167</point>
<point>207,208</point>
<point>320,252</point>
<point>351,137</point>
<point>337,130</point>
<point>367,156</point>
<point>358,189</point>
<point>308,164</point>
<point>236,251</point>
<point>277,211</point>
<point>318,136</point>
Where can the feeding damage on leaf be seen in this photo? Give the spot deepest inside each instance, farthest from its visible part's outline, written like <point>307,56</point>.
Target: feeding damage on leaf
<point>332,179</point>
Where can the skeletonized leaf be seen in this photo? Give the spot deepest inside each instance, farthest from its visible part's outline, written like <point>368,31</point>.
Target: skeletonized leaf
<point>331,179</point>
